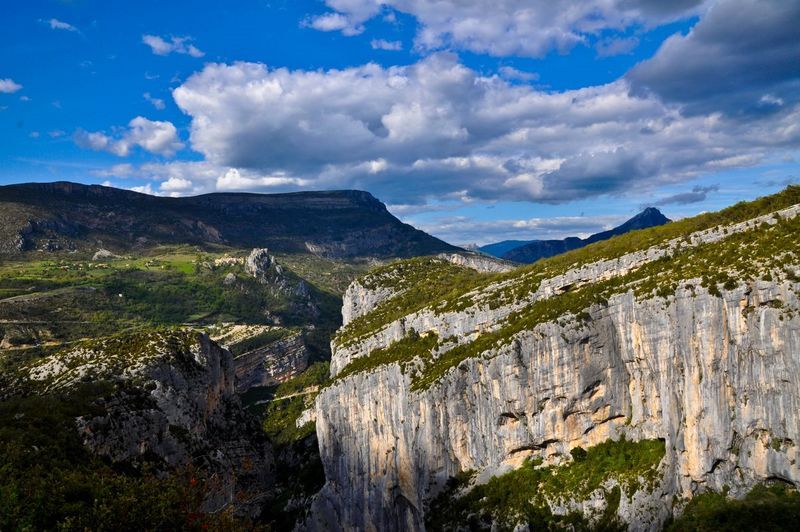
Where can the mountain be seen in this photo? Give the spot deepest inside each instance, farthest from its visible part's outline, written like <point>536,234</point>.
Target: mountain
<point>617,386</point>
<point>533,250</point>
<point>650,217</point>
<point>498,249</point>
<point>335,224</point>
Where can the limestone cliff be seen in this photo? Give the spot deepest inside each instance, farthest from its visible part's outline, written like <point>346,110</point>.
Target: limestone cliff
<point>271,364</point>
<point>687,334</point>
<point>171,403</point>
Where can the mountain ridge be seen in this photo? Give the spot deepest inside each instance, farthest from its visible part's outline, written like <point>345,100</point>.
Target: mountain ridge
<point>335,224</point>
<point>528,251</point>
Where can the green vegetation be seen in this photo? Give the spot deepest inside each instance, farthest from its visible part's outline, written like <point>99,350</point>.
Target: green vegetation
<point>417,282</point>
<point>765,508</point>
<point>521,496</point>
<point>57,301</point>
<point>299,473</point>
<point>332,276</point>
<point>259,340</point>
<point>403,351</point>
<point>749,255</point>
<point>452,294</point>
<point>280,414</point>
<point>48,481</point>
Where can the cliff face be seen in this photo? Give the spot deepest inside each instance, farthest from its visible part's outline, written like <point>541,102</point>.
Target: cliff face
<point>635,346</point>
<point>271,364</point>
<point>171,404</point>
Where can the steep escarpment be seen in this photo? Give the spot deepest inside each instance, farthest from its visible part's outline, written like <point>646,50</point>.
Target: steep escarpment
<point>69,216</point>
<point>150,403</point>
<point>673,350</point>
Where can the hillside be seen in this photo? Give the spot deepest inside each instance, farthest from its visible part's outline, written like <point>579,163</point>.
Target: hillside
<point>136,431</point>
<point>73,217</point>
<point>530,251</point>
<point>90,273</point>
<point>608,387</point>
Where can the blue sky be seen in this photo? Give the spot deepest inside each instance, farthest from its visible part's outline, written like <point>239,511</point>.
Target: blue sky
<point>475,120</point>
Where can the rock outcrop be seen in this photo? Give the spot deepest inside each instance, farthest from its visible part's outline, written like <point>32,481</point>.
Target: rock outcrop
<point>713,371</point>
<point>271,364</point>
<point>478,262</point>
<point>173,405</point>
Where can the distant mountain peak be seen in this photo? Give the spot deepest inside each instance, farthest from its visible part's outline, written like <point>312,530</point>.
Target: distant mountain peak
<point>650,214</point>
<point>531,251</point>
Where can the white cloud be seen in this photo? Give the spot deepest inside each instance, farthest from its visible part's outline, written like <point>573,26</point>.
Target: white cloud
<point>56,24</point>
<point>178,45</point>
<point>439,129</point>
<point>9,86</point>
<point>335,22</point>
<point>151,135</point>
<point>176,184</point>
<point>382,44</point>
<point>233,179</point>
<point>506,27</point>
<point>158,103</point>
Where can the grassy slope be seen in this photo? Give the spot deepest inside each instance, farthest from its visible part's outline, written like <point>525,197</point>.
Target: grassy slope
<point>521,495</point>
<point>453,293</point>
<point>750,255</point>
<point>64,300</point>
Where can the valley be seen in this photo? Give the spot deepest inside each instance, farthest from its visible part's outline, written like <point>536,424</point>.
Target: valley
<point>639,382</point>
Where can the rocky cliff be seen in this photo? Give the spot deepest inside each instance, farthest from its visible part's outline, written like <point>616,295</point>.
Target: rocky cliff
<point>169,403</point>
<point>271,364</point>
<point>679,343</point>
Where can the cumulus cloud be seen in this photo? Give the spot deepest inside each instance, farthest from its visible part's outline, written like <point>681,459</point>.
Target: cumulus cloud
<point>9,86</point>
<point>507,27</point>
<point>151,135</point>
<point>176,184</point>
<point>382,44</point>
<point>178,45</point>
<point>741,58</point>
<point>439,129</point>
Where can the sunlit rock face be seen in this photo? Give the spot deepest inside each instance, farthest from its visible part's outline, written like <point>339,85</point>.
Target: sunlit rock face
<point>715,374</point>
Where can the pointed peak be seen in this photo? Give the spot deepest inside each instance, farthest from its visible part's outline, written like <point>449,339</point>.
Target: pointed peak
<point>651,213</point>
